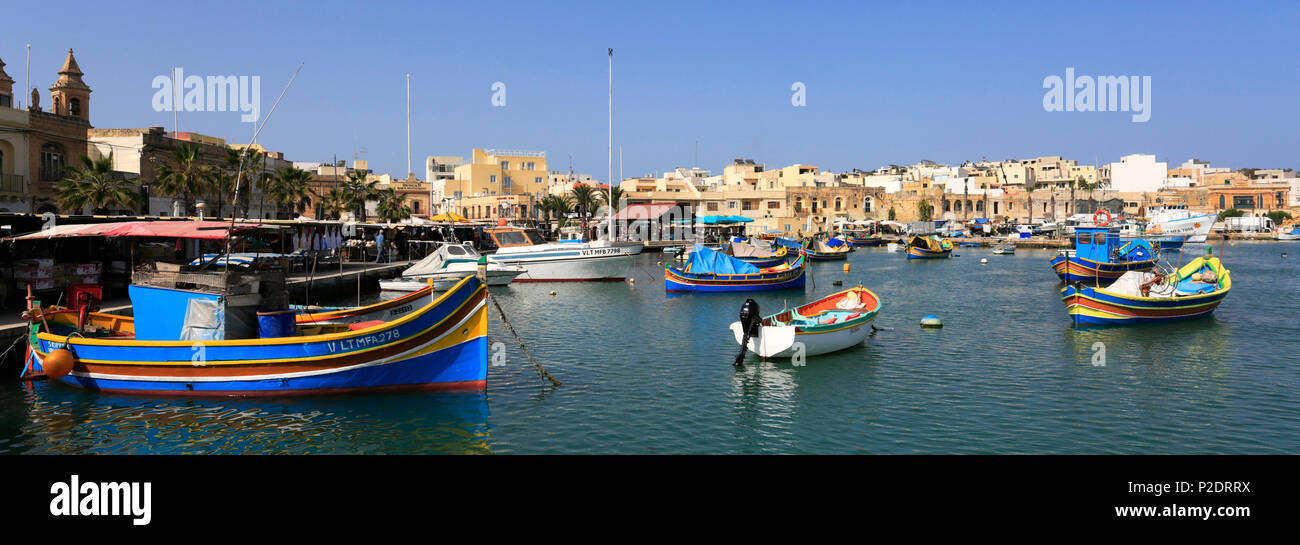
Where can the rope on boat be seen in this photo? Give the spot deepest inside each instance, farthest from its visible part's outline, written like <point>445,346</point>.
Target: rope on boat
<point>540,370</point>
<point>22,368</point>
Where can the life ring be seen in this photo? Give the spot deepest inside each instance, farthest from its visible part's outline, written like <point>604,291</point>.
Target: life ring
<point>1096,220</point>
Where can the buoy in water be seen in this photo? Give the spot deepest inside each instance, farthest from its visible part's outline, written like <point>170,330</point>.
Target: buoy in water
<point>984,260</point>
<point>931,320</point>
<point>837,283</point>
<point>631,280</point>
<point>846,267</point>
<point>552,293</point>
<point>58,364</point>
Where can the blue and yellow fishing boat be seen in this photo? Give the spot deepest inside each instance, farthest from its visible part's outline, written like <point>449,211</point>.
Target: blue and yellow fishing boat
<point>816,249</point>
<point>931,247</point>
<point>1194,291</point>
<point>713,271</point>
<point>1099,256</point>
<point>203,342</point>
<point>862,239</point>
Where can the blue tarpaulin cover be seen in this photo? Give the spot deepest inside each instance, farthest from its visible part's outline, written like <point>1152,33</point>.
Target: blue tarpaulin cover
<point>704,260</point>
<point>981,221</point>
<point>835,243</point>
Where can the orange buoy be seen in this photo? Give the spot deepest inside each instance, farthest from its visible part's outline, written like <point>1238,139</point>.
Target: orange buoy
<point>58,363</point>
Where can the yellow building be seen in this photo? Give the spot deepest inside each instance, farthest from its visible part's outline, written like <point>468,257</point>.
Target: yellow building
<point>500,172</point>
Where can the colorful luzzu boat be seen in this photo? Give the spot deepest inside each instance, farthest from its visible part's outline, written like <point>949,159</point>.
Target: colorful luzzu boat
<point>826,250</point>
<point>712,271</point>
<point>1098,256</point>
<point>757,256</point>
<point>838,321</point>
<point>1194,291</point>
<point>440,345</point>
<point>919,247</point>
<point>864,239</point>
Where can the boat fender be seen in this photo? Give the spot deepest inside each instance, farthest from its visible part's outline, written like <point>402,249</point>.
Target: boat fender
<point>58,363</point>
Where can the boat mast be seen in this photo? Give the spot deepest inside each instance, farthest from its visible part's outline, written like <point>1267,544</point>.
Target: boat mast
<point>610,174</point>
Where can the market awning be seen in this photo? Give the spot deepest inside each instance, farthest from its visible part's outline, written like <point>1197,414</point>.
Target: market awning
<point>202,230</point>
<point>450,216</point>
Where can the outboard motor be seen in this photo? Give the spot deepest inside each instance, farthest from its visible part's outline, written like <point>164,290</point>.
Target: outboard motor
<point>750,322</point>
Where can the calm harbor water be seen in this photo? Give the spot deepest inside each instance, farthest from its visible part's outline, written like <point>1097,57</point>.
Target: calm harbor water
<point>649,373</point>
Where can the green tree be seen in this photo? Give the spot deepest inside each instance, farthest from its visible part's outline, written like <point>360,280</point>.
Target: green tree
<point>96,186</point>
<point>290,189</point>
<point>925,209</point>
<point>360,191</point>
<point>891,213</point>
<point>584,201</point>
<point>1230,213</point>
<point>1279,216</point>
<point>183,177</point>
<point>555,206</point>
<point>392,207</point>
<point>335,202</point>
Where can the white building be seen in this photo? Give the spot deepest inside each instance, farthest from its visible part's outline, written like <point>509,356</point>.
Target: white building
<point>1138,173</point>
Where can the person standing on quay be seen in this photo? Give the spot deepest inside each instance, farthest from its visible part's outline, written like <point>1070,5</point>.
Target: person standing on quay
<point>379,246</point>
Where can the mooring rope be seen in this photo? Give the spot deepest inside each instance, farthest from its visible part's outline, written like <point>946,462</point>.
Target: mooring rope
<point>540,370</point>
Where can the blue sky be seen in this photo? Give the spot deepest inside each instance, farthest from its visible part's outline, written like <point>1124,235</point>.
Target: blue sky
<point>885,83</point>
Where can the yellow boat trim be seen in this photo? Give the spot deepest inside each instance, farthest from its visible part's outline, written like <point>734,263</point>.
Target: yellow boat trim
<point>279,340</point>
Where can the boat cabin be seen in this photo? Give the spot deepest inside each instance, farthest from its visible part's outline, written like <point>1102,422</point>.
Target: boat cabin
<point>1103,244</point>
<point>508,237</point>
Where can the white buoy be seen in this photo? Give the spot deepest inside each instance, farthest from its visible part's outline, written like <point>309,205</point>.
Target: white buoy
<point>984,260</point>
<point>931,320</point>
<point>631,281</point>
<point>552,293</point>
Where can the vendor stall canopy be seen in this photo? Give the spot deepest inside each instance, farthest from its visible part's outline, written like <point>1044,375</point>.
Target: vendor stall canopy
<point>203,230</point>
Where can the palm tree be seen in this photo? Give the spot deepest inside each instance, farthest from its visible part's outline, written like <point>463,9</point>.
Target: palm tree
<point>290,188</point>
<point>335,202</point>
<point>392,207</point>
<point>557,206</point>
<point>96,186</point>
<point>584,200</point>
<point>360,191</point>
<point>618,196</point>
<point>184,177</point>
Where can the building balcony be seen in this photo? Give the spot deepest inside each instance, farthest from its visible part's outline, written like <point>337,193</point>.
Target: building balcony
<point>48,174</point>
<point>13,183</point>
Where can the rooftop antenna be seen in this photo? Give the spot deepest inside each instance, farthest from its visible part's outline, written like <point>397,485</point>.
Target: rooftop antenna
<point>244,154</point>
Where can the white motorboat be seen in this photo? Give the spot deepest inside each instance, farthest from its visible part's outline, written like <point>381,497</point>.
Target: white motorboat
<point>1177,220</point>
<point>446,266</point>
<point>557,261</point>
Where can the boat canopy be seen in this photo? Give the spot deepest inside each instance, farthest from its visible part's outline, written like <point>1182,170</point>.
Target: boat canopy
<point>202,230</point>
<point>743,249</point>
<point>705,260</point>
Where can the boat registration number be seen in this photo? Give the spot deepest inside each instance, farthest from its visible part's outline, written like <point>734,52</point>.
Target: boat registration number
<point>400,310</point>
<point>603,251</point>
<point>363,342</point>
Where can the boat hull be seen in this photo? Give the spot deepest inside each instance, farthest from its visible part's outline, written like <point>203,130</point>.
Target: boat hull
<point>677,280</point>
<point>444,281</point>
<point>441,346</point>
<point>916,252</point>
<point>813,255</point>
<point>383,311</point>
<point>1077,269</point>
<point>571,265</point>
<point>865,241</point>
<point>1093,306</point>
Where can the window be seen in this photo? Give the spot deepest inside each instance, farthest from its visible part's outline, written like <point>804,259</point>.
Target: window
<point>52,161</point>
<point>537,180</point>
<point>6,101</point>
<point>505,165</point>
<point>74,106</point>
<point>711,207</point>
<point>1099,239</point>
<point>492,179</point>
<point>731,205</point>
<point>506,185</point>
<point>773,205</point>
<point>839,204</point>
<point>415,207</point>
<point>1243,201</point>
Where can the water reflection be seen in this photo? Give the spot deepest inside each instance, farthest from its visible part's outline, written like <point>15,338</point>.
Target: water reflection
<point>66,421</point>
